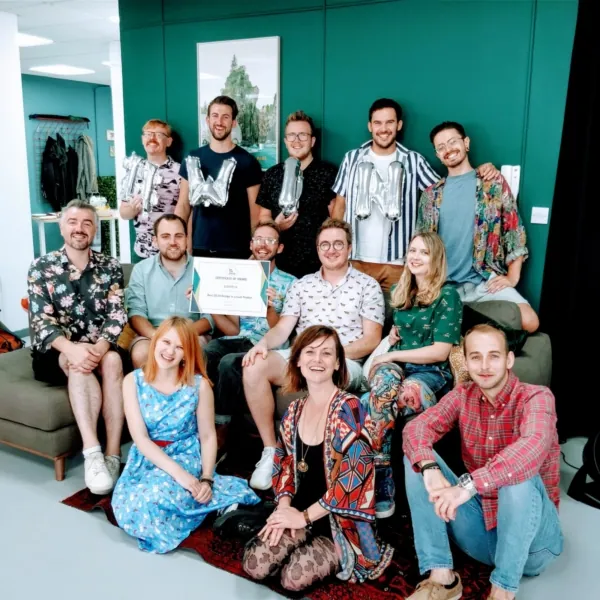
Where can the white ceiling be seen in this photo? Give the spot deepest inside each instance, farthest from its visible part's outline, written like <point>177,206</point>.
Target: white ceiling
<point>81,30</point>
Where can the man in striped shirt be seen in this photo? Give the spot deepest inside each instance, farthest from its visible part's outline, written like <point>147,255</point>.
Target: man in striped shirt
<point>380,244</point>
<point>503,511</point>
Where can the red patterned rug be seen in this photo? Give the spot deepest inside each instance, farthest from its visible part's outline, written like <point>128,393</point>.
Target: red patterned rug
<point>398,581</point>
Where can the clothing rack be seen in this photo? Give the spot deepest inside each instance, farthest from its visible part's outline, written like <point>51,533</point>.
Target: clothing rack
<point>69,127</point>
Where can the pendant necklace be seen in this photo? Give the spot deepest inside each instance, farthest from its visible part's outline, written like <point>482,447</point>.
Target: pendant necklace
<point>302,464</point>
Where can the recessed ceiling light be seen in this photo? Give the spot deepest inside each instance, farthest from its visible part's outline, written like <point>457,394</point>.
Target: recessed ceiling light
<point>106,63</point>
<point>61,70</point>
<point>114,19</point>
<point>26,40</point>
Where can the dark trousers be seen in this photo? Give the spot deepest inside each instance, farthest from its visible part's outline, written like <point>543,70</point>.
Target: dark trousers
<point>223,359</point>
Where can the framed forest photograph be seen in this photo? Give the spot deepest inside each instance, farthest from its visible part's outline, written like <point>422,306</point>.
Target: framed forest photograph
<point>247,70</point>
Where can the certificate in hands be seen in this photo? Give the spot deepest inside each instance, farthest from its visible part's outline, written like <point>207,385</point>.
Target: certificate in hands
<point>225,286</point>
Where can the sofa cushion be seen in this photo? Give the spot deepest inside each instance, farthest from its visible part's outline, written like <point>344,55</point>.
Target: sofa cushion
<point>499,313</point>
<point>27,401</point>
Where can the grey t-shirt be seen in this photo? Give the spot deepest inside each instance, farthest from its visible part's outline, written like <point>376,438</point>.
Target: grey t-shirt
<point>457,217</point>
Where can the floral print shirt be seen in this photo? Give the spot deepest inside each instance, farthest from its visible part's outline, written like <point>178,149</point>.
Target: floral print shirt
<point>499,234</point>
<point>82,306</point>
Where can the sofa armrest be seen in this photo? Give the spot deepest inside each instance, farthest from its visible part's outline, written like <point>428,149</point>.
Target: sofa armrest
<point>534,363</point>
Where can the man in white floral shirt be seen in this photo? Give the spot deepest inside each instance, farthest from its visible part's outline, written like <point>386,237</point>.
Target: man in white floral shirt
<point>76,314</point>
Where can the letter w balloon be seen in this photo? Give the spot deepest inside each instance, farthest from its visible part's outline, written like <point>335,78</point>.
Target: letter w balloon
<point>209,191</point>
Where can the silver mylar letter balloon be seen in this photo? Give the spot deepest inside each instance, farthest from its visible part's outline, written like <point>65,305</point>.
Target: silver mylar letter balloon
<point>208,191</point>
<point>151,179</point>
<point>291,188</point>
<point>393,197</point>
<point>131,164</point>
<point>362,210</point>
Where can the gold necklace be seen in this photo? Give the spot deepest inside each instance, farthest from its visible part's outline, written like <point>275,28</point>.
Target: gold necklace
<point>302,464</point>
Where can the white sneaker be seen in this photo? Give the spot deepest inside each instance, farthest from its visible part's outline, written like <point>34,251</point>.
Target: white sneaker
<point>97,477</point>
<point>113,465</point>
<point>262,478</point>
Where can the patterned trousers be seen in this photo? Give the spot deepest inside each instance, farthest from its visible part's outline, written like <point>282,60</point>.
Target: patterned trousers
<point>400,391</point>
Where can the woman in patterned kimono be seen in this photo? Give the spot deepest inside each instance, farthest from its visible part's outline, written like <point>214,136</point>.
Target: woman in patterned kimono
<point>323,478</point>
<point>415,372</point>
<point>168,485</point>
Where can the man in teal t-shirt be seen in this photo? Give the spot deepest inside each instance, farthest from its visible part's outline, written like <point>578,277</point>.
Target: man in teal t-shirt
<point>223,356</point>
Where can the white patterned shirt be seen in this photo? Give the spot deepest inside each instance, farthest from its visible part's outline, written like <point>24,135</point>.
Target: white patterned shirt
<point>315,301</point>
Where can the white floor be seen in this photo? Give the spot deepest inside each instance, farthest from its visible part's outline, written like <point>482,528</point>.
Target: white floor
<point>50,551</point>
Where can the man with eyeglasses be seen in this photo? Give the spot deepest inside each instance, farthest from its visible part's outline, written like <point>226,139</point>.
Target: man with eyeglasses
<point>156,138</point>
<point>222,231</point>
<point>380,244</point>
<point>338,296</point>
<point>223,355</point>
<point>299,230</point>
<point>484,259</point>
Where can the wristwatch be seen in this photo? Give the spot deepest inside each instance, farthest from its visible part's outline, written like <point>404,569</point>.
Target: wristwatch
<point>465,481</point>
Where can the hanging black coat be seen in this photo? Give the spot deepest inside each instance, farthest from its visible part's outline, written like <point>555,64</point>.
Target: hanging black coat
<point>54,172</point>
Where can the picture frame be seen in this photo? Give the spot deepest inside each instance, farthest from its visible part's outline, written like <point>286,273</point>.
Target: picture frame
<point>247,70</point>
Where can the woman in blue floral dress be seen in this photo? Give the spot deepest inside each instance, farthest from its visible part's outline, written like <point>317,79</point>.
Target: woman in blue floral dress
<point>168,486</point>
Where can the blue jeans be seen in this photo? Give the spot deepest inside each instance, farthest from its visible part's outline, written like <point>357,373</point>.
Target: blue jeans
<point>527,539</point>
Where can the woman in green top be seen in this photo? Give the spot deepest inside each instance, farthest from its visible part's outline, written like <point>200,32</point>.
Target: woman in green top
<point>415,372</point>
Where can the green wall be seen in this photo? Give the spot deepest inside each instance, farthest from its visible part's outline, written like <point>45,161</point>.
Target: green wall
<point>498,66</point>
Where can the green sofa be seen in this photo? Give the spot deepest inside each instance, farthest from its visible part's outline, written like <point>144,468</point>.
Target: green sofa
<point>34,416</point>
<point>37,418</point>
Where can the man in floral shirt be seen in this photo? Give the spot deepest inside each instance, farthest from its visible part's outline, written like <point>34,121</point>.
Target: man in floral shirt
<point>156,138</point>
<point>76,314</point>
<point>484,260</point>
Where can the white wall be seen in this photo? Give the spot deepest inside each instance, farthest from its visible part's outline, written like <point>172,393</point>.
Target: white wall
<point>116,88</point>
<point>16,243</point>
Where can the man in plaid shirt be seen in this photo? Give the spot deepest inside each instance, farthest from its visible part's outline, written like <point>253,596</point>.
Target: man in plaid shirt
<point>503,511</point>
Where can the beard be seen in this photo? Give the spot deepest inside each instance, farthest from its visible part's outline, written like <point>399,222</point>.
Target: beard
<point>270,255</point>
<point>220,136</point>
<point>385,145</point>
<point>76,244</point>
<point>173,254</point>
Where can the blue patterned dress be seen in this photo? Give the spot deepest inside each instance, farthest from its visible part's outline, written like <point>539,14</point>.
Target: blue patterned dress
<point>147,502</point>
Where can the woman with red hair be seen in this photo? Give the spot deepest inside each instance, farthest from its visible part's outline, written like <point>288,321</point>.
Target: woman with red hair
<point>168,485</point>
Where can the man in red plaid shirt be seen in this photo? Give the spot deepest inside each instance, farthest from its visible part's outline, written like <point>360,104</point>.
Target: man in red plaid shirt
<point>503,511</point>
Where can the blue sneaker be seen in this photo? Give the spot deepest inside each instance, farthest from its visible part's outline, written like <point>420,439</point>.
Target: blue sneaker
<point>385,491</point>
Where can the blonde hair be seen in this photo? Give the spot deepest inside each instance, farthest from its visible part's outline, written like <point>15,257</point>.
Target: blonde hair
<point>193,359</point>
<point>301,116</point>
<point>406,293</point>
<point>158,123</point>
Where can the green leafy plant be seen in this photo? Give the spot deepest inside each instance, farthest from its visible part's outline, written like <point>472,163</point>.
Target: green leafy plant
<point>107,187</point>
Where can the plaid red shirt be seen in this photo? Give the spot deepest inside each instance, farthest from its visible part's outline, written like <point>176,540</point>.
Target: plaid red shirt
<point>504,444</point>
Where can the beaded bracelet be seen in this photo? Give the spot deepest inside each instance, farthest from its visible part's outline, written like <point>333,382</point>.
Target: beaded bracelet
<point>207,480</point>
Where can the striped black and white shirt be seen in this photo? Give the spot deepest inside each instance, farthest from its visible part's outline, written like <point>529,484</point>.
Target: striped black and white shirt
<point>418,176</point>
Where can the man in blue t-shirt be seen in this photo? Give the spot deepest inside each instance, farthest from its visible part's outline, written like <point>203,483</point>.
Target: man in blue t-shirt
<point>223,356</point>
<point>222,231</point>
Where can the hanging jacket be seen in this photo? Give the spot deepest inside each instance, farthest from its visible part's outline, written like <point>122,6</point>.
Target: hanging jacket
<point>87,182</point>
<point>54,172</point>
<point>72,162</point>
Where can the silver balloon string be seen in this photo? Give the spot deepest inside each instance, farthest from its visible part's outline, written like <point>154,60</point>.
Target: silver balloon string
<point>291,188</point>
<point>207,190</point>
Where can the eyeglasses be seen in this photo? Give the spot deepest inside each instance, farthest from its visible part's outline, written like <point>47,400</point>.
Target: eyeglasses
<point>451,143</point>
<point>268,241</point>
<point>303,137</point>
<point>157,134</point>
<point>337,245</point>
